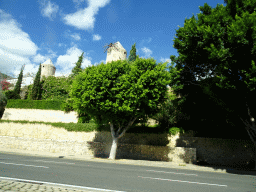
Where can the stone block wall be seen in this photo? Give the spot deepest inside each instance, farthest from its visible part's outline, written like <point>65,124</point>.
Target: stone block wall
<point>168,147</point>
<point>94,144</point>
<point>224,152</point>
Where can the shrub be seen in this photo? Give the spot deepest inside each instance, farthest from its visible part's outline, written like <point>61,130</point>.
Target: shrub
<point>67,105</point>
<point>27,92</point>
<point>3,100</point>
<point>10,94</point>
<point>174,130</point>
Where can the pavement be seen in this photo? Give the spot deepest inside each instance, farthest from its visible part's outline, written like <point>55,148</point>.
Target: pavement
<point>13,185</point>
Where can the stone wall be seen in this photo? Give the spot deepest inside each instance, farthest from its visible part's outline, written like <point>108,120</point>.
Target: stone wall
<point>137,146</point>
<point>43,137</point>
<point>216,151</point>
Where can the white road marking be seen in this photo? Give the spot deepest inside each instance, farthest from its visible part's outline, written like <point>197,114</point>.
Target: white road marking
<point>173,172</point>
<point>185,181</point>
<point>24,165</point>
<point>50,161</point>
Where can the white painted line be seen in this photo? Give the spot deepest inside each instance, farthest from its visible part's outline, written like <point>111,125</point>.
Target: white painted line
<point>185,181</point>
<point>24,165</point>
<point>75,186</point>
<point>50,161</point>
<point>173,172</point>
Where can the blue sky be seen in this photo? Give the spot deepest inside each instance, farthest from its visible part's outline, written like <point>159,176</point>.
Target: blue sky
<point>33,31</point>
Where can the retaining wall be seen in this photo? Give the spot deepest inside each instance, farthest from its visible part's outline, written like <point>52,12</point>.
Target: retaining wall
<point>37,137</point>
<point>184,148</point>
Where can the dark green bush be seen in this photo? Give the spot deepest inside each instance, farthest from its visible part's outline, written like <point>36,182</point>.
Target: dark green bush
<point>3,101</point>
<point>67,105</point>
<point>10,94</point>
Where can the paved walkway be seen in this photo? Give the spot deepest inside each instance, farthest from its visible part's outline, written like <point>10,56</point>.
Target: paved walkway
<point>7,185</point>
<point>11,185</point>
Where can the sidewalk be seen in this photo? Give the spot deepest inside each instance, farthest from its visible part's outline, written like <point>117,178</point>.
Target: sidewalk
<point>219,169</point>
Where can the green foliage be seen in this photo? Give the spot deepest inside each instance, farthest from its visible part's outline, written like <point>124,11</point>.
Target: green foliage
<point>67,105</point>
<point>16,90</point>
<point>113,92</point>
<point>3,99</point>
<point>77,69</point>
<point>36,86</point>
<point>132,56</point>
<point>55,88</point>
<point>169,114</point>
<point>175,130</point>
<point>11,94</point>
<point>28,94</point>
<point>221,40</point>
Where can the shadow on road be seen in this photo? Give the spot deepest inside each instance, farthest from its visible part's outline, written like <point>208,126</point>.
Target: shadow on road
<point>242,170</point>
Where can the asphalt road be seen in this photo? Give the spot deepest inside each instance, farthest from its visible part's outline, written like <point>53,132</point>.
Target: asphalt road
<point>119,177</point>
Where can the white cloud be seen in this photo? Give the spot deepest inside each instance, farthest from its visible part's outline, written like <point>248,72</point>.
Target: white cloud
<point>17,49</point>
<point>16,46</point>
<point>49,10</point>
<point>96,37</point>
<point>78,2</point>
<point>61,45</point>
<point>146,51</point>
<point>76,36</point>
<point>165,60</point>
<point>84,18</point>
<point>67,61</point>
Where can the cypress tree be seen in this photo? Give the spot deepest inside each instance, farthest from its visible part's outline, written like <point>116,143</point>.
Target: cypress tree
<point>132,56</point>
<point>36,86</point>
<point>77,69</point>
<point>16,91</point>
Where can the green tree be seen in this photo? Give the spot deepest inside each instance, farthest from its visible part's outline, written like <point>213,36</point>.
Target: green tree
<point>3,98</point>
<point>170,110</point>
<point>36,85</point>
<point>112,93</point>
<point>16,91</point>
<point>221,40</point>
<point>132,55</point>
<point>67,105</point>
<point>77,69</point>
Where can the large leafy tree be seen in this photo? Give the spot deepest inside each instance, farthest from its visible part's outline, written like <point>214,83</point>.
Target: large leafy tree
<point>222,40</point>
<point>113,92</point>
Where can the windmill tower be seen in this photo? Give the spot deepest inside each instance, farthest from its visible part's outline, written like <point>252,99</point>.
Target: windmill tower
<point>115,52</point>
<point>47,69</point>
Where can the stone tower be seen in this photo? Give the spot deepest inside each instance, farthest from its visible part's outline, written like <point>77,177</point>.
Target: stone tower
<point>47,69</point>
<point>116,53</point>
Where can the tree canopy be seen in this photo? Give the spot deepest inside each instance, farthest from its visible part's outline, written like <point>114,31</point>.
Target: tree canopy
<point>222,40</point>
<point>115,91</point>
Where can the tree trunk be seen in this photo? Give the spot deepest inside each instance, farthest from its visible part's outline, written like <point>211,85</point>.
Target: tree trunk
<point>112,154</point>
<point>116,136</point>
